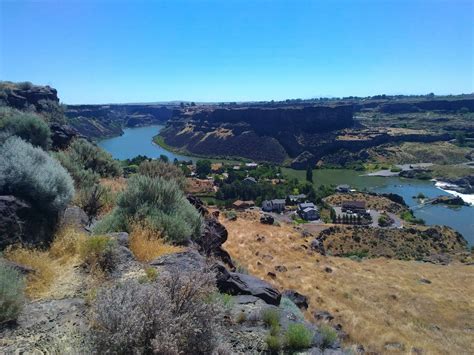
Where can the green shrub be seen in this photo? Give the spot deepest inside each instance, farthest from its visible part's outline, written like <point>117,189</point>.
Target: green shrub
<point>164,170</point>
<point>158,203</point>
<point>328,335</point>
<point>11,293</point>
<point>271,317</point>
<point>298,336</point>
<point>87,162</point>
<point>31,174</point>
<point>291,307</point>
<point>99,253</point>
<point>29,127</point>
<point>273,343</point>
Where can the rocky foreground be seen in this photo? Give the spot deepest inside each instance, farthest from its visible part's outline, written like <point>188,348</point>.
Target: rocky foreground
<point>60,323</point>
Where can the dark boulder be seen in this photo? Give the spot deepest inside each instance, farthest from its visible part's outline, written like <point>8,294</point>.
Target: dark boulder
<point>324,316</point>
<point>281,268</point>
<point>21,223</point>
<point>198,204</point>
<point>62,135</point>
<point>297,298</point>
<point>240,284</point>
<point>318,246</point>
<point>189,260</point>
<point>267,219</point>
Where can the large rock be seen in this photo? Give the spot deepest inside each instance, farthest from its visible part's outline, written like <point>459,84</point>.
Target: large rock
<point>267,219</point>
<point>74,217</point>
<point>300,300</point>
<point>62,135</point>
<point>20,223</point>
<point>235,283</point>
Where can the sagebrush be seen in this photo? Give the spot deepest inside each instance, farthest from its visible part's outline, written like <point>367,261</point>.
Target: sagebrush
<point>158,203</point>
<point>11,293</point>
<point>169,316</point>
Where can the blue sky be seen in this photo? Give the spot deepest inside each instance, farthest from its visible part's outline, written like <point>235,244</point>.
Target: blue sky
<point>228,50</point>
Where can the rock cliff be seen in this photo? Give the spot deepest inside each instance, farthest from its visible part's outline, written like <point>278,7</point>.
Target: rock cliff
<point>99,121</point>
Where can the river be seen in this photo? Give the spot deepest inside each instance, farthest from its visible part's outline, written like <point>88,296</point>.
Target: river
<point>138,141</point>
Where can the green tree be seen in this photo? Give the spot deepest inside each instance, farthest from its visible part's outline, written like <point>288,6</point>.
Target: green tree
<point>203,168</point>
<point>309,174</point>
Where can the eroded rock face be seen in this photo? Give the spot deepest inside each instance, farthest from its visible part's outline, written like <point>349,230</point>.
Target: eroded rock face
<point>20,223</point>
<point>213,236</point>
<point>62,135</point>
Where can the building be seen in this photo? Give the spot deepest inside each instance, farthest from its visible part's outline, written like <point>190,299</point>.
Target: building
<point>250,180</point>
<point>296,198</point>
<point>354,207</point>
<point>251,165</point>
<point>343,188</point>
<point>277,205</point>
<point>308,211</point>
<point>241,205</point>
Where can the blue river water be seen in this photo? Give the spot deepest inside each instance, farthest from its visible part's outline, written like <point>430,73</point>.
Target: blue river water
<point>138,141</point>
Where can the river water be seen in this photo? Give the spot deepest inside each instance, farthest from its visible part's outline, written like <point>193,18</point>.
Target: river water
<point>138,141</point>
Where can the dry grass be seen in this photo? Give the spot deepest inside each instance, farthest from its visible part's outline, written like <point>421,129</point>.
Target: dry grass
<point>378,301</point>
<point>147,245</point>
<point>114,186</point>
<point>56,275</point>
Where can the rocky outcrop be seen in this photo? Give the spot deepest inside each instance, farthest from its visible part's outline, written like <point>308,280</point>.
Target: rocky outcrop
<point>34,98</point>
<point>213,236</point>
<point>409,243</point>
<point>235,283</point>
<point>297,298</point>
<point>449,200</point>
<point>258,133</point>
<point>62,135</point>
<point>21,223</point>
<point>100,121</point>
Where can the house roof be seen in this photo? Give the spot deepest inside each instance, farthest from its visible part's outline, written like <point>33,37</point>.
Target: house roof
<point>357,204</point>
<point>304,205</point>
<point>251,179</point>
<point>309,209</point>
<point>296,197</point>
<point>241,203</point>
<point>278,200</point>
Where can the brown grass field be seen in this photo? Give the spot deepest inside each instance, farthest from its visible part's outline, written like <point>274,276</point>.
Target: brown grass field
<point>377,301</point>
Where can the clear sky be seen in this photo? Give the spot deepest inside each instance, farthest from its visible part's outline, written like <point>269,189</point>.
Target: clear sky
<point>227,50</point>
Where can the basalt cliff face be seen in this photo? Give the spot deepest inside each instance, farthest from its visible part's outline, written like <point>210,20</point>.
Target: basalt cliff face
<point>99,121</point>
<point>263,134</point>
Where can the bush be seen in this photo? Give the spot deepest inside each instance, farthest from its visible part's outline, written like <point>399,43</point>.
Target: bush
<point>273,343</point>
<point>291,307</point>
<point>164,170</point>
<point>92,199</point>
<point>87,162</point>
<point>31,174</point>
<point>29,127</point>
<point>168,316</point>
<point>271,317</point>
<point>11,293</point>
<point>298,336</point>
<point>160,205</point>
<point>328,335</point>
<point>99,253</point>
